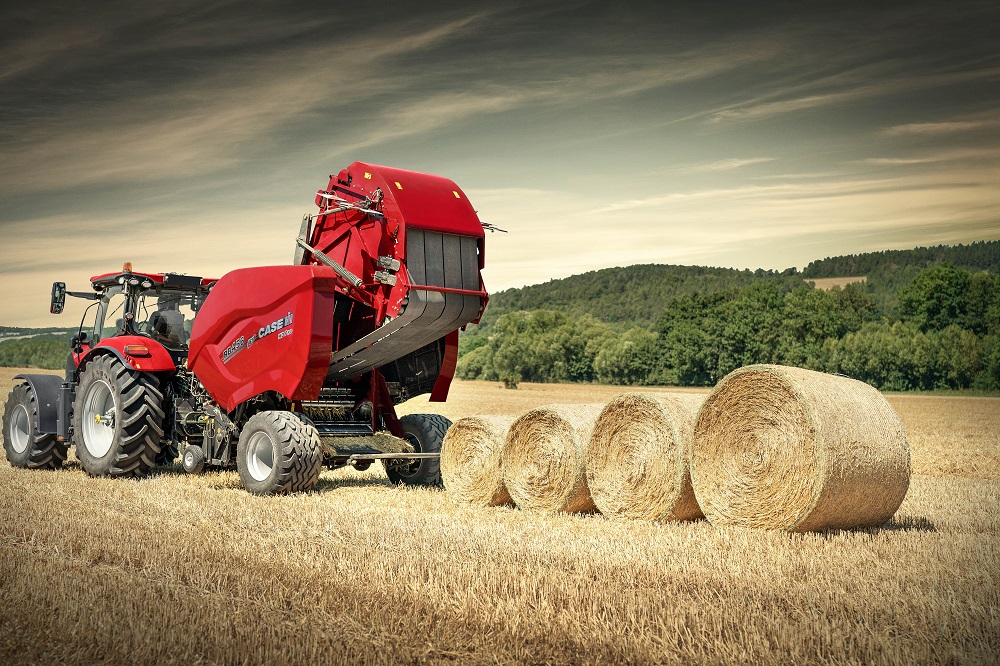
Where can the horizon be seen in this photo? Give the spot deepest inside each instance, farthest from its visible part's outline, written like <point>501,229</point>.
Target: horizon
<point>798,270</point>
<point>186,137</point>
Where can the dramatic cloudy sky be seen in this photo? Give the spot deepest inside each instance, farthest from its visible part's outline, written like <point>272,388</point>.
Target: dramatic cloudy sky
<point>192,136</point>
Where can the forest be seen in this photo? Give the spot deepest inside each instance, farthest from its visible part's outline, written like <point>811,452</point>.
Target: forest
<point>915,323</point>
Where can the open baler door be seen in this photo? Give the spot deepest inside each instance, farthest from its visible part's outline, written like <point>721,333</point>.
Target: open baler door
<point>409,248</point>
<point>445,293</point>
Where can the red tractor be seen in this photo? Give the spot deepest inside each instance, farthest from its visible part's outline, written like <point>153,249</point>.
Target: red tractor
<point>275,370</point>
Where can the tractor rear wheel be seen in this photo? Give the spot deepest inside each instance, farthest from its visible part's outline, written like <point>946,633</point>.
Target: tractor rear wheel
<point>424,432</point>
<point>279,452</point>
<point>168,453</point>
<point>117,419</point>
<point>24,445</point>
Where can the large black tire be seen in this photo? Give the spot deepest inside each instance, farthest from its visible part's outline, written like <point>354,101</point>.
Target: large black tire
<point>168,453</point>
<point>24,445</point>
<point>117,419</point>
<point>279,452</point>
<point>425,432</point>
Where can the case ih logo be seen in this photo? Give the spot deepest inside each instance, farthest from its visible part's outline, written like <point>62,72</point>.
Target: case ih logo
<point>275,326</point>
<point>283,324</point>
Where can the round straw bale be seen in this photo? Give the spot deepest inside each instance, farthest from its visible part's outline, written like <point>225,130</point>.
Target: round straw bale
<point>791,449</point>
<point>545,458</point>
<point>637,465</point>
<point>470,460</point>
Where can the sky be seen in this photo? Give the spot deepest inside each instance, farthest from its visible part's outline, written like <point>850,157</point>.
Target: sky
<point>192,136</point>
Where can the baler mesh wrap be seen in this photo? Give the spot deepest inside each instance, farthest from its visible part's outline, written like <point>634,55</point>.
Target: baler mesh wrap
<point>545,458</point>
<point>637,465</point>
<point>791,449</point>
<point>470,460</point>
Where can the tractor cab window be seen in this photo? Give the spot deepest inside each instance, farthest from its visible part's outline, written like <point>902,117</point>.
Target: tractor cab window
<point>109,315</point>
<point>167,317</point>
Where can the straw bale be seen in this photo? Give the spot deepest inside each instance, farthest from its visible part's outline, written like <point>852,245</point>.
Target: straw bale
<point>470,460</point>
<point>380,442</point>
<point>637,464</point>
<point>544,460</point>
<point>791,449</point>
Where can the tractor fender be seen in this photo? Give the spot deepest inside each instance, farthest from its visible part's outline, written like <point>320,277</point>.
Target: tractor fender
<point>46,390</point>
<point>155,359</point>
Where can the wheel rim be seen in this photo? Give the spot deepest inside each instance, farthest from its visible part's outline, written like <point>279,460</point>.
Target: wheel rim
<point>20,429</point>
<point>408,470</point>
<point>260,456</point>
<point>99,411</point>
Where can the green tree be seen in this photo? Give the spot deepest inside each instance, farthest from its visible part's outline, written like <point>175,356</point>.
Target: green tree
<point>936,298</point>
<point>751,327</point>
<point>627,359</point>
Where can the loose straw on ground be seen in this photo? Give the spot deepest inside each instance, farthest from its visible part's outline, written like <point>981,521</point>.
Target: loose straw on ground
<point>545,458</point>
<point>791,449</point>
<point>470,460</point>
<point>637,465</point>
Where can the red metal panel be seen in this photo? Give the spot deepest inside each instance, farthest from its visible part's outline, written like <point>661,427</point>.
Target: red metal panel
<point>419,200</point>
<point>265,329</point>
<point>157,360</point>
<point>448,365</point>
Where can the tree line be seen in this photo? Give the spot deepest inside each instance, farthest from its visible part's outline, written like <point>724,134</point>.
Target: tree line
<point>40,351</point>
<point>981,255</point>
<point>939,330</point>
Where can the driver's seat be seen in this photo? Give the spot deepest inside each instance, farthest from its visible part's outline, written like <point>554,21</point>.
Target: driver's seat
<point>167,326</point>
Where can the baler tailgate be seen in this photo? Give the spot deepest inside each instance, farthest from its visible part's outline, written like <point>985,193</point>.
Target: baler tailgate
<point>433,260</point>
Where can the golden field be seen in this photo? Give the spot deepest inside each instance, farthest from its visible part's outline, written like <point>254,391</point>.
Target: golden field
<point>183,569</point>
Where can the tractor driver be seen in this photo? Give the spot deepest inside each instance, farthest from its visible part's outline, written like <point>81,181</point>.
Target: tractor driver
<point>166,324</point>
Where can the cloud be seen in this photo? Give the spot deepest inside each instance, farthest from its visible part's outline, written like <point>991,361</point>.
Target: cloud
<point>758,109</point>
<point>727,164</point>
<point>208,123</point>
<point>941,127</point>
<point>982,154</point>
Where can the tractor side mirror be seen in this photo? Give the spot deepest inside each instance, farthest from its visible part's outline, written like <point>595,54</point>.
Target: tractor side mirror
<point>58,297</point>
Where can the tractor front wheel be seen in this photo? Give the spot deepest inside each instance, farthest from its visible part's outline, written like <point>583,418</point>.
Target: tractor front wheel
<point>279,452</point>
<point>117,419</point>
<point>424,432</point>
<point>24,445</point>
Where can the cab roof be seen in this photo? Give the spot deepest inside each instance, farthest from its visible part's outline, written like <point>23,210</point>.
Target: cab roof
<point>172,280</point>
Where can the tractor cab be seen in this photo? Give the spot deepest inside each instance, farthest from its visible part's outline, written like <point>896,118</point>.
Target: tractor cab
<point>160,306</point>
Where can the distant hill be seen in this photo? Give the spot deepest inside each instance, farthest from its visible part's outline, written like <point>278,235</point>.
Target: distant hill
<point>628,296</point>
<point>638,295</point>
<point>979,256</point>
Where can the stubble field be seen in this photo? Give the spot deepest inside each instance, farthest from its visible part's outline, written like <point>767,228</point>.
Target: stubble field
<point>182,569</point>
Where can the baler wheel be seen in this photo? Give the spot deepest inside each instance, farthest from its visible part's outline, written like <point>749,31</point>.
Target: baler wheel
<point>24,446</point>
<point>117,419</point>
<point>193,460</point>
<point>425,432</point>
<point>279,452</point>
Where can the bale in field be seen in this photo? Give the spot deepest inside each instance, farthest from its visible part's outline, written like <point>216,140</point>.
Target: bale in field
<point>545,458</point>
<point>470,460</point>
<point>792,449</point>
<point>637,465</point>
